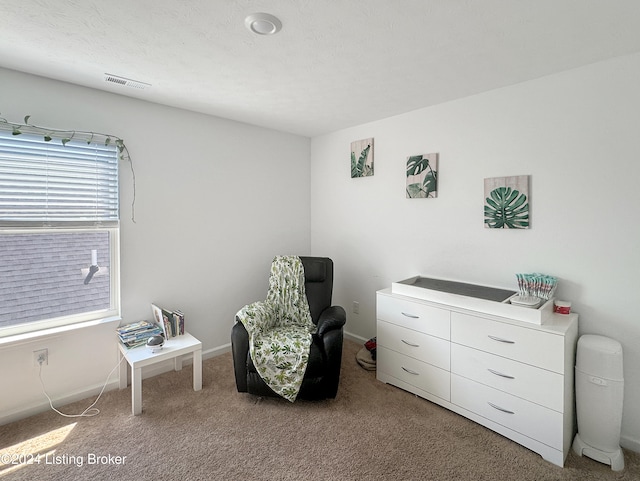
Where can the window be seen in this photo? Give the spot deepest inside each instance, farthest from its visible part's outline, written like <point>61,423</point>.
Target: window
<point>59,233</point>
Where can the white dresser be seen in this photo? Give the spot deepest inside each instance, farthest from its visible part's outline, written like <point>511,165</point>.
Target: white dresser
<point>513,377</point>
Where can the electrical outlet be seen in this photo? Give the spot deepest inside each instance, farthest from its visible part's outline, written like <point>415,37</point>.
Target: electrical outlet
<point>356,307</point>
<point>41,357</point>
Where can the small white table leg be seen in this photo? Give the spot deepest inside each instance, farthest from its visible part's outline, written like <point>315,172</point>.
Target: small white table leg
<point>177,363</point>
<point>136,391</point>
<point>122,373</point>
<point>197,370</point>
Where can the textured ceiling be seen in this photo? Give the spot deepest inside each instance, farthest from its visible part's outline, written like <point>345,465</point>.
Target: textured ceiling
<point>335,64</point>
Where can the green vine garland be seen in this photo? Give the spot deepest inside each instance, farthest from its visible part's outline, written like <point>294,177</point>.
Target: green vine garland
<point>66,136</point>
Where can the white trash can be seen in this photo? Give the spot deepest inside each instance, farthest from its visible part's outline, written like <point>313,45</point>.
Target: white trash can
<point>599,397</point>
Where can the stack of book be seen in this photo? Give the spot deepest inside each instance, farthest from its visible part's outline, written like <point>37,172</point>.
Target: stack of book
<point>137,333</point>
<point>172,322</point>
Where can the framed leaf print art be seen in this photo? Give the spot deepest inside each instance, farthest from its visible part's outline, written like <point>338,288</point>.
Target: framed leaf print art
<point>422,176</point>
<point>362,158</point>
<point>506,202</point>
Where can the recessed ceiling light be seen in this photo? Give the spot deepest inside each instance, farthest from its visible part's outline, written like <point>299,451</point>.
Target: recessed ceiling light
<point>263,23</point>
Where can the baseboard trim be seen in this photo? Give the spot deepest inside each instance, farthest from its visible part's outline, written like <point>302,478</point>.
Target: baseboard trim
<point>58,403</point>
<point>355,338</point>
<point>630,444</point>
<point>216,351</point>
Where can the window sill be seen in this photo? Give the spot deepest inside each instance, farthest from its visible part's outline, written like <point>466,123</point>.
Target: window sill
<point>28,337</point>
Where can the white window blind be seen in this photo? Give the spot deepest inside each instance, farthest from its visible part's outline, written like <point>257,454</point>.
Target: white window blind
<point>48,184</point>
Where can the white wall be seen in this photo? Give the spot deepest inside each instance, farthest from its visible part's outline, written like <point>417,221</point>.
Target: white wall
<point>575,134</point>
<point>215,201</point>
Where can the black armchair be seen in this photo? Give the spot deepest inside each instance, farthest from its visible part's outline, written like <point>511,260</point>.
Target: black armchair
<point>325,354</point>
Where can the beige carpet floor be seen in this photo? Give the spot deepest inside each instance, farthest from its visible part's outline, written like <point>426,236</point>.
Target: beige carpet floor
<point>371,431</point>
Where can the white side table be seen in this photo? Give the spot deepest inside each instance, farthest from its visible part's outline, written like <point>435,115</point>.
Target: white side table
<point>141,356</point>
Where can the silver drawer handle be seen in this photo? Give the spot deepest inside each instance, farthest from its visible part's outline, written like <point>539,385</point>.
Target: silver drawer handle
<point>498,373</point>
<point>412,316</point>
<point>499,408</point>
<point>500,339</point>
<point>410,371</point>
<point>409,344</point>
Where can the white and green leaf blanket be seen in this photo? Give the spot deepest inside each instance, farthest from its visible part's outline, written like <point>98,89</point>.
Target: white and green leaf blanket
<point>280,328</point>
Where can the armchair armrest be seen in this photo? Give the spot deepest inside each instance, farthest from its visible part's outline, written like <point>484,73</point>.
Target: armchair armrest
<point>333,317</point>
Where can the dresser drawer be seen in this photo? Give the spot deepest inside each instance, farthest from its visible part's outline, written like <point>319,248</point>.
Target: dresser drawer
<point>522,380</point>
<point>417,373</point>
<point>414,315</point>
<point>418,345</point>
<point>524,417</point>
<point>531,346</point>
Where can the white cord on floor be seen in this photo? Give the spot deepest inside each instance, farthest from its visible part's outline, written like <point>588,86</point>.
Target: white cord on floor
<point>90,411</point>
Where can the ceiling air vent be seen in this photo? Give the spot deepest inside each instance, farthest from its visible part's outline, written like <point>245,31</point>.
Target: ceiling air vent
<point>125,82</point>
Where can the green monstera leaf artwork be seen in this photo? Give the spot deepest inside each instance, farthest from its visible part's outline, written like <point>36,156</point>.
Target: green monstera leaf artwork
<point>422,176</point>
<point>507,202</point>
<point>362,158</point>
